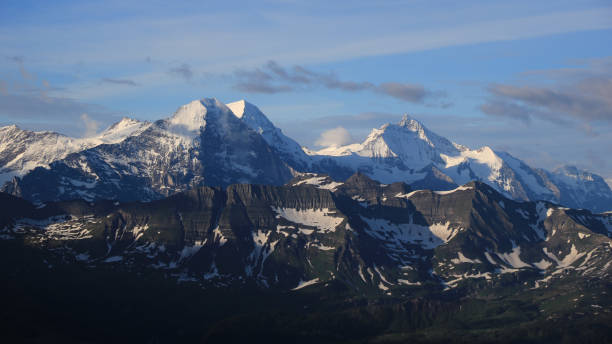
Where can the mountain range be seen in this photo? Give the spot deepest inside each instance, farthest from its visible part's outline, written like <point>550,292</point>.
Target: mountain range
<point>210,143</point>
<point>211,226</point>
<point>314,230</point>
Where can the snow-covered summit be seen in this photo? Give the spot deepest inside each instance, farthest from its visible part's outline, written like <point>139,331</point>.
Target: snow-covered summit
<point>119,131</point>
<point>23,150</point>
<point>408,140</point>
<point>189,118</point>
<point>408,151</point>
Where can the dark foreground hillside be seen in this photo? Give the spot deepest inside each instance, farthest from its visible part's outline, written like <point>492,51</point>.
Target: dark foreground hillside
<point>71,303</point>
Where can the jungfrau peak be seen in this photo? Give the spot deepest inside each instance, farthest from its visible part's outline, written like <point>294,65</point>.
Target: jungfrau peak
<point>410,152</point>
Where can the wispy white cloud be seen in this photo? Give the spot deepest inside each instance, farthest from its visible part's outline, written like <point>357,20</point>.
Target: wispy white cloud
<point>334,137</point>
<point>91,125</point>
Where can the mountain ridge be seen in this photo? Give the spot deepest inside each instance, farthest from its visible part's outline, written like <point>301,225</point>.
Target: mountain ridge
<point>282,236</point>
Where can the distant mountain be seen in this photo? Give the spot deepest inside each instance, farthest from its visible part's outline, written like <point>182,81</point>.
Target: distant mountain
<point>410,152</point>
<point>208,143</point>
<point>22,151</point>
<point>579,188</point>
<point>203,143</point>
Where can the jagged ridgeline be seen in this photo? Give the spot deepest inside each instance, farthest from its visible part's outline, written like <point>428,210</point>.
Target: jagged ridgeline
<point>209,143</point>
<point>367,235</point>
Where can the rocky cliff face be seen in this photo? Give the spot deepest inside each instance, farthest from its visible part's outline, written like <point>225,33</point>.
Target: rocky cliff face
<point>366,235</point>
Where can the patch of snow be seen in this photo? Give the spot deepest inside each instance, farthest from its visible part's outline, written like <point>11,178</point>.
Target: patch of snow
<point>406,282</point>
<point>568,260</point>
<point>458,278</point>
<point>138,231</point>
<point>461,188</point>
<point>397,234</point>
<point>113,259</point>
<point>321,182</point>
<point>304,284</point>
<point>403,195</point>
<point>218,236</point>
<point>323,247</point>
<point>513,258</point>
<point>380,275</point>
<point>323,219</point>
<point>464,259</point>
<point>543,264</point>
<point>360,270</point>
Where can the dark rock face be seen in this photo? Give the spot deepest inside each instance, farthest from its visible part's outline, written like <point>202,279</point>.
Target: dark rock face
<point>366,235</point>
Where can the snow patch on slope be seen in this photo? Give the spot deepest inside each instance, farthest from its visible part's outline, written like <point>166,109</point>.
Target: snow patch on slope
<point>513,258</point>
<point>463,259</point>
<point>397,234</point>
<point>304,284</point>
<point>320,182</point>
<point>323,219</point>
<point>461,188</point>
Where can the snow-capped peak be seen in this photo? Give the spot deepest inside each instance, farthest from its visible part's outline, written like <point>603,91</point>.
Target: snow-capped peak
<point>24,150</point>
<point>409,140</point>
<point>238,107</point>
<point>125,122</point>
<point>190,118</point>
<point>572,175</point>
<point>9,127</point>
<point>119,131</point>
<point>410,123</point>
<point>251,116</point>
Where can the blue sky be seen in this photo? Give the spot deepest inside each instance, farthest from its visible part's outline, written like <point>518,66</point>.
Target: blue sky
<point>533,78</point>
